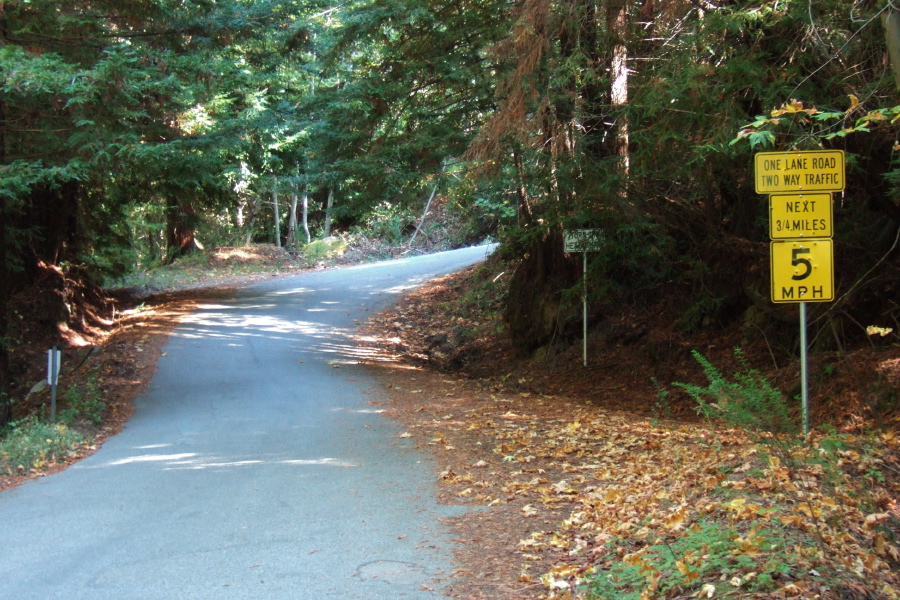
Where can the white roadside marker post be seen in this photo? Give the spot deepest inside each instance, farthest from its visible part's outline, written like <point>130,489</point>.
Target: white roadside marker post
<point>584,241</point>
<point>54,359</point>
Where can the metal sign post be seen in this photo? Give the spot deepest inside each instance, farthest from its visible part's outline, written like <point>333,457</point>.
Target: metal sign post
<point>804,378</point>
<point>800,227</point>
<point>584,241</point>
<point>584,312</point>
<point>54,359</point>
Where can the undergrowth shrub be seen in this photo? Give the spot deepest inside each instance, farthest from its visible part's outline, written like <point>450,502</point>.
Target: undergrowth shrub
<point>322,249</point>
<point>749,401</point>
<point>83,401</point>
<point>388,221</point>
<point>752,561</point>
<point>490,293</point>
<point>185,269</point>
<point>662,408</point>
<point>33,444</point>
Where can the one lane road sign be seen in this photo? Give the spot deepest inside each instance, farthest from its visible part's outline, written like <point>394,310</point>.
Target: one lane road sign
<point>799,172</point>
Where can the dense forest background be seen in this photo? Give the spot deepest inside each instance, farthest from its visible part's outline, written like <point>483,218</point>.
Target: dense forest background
<point>133,131</point>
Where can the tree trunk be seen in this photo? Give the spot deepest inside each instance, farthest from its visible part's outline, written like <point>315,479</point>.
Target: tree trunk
<point>595,96</point>
<point>891,22</point>
<point>329,205</point>
<point>239,214</point>
<point>5,275</point>
<point>5,291</point>
<point>617,27</point>
<point>427,207</point>
<point>534,309</point>
<point>53,212</point>
<point>306,212</point>
<point>254,212</point>
<point>153,246</point>
<point>5,406</point>
<point>276,210</point>
<point>180,221</point>
<point>524,210</point>
<point>292,217</point>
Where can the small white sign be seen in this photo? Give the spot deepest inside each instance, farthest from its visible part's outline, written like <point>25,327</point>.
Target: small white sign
<point>54,360</point>
<point>583,240</point>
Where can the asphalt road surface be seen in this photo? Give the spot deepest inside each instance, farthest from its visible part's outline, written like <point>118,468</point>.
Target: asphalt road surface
<point>255,466</point>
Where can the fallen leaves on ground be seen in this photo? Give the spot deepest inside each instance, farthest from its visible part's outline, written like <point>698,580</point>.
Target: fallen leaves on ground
<point>618,506</point>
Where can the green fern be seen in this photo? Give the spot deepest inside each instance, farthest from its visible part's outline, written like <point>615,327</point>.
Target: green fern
<point>749,401</point>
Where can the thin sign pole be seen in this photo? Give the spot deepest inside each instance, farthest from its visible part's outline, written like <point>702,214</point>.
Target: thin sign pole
<point>804,378</point>
<point>585,308</point>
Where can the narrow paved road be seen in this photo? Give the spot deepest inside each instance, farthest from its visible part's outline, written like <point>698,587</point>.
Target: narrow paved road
<point>255,467</point>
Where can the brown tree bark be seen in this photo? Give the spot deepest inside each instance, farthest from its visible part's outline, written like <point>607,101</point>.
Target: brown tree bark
<point>524,209</point>
<point>534,311</point>
<point>180,222</point>
<point>5,292</point>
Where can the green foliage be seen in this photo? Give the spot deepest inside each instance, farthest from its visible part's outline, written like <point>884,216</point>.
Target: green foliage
<point>832,451</point>
<point>32,444</point>
<point>662,408</point>
<point>322,249</point>
<point>489,296</point>
<point>703,307</point>
<point>180,272</point>
<point>813,126</point>
<point>145,103</point>
<point>636,255</point>
<point>701,555</point>
<point>389,222</point>
<point>112,261</point>
<point>749,401</point>
<point>83,402</point>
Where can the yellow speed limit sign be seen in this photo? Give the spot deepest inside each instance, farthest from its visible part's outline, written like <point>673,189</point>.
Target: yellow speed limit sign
<point>802,270</point>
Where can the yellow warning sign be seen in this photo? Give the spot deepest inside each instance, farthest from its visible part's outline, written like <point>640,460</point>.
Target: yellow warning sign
<point>800,216</point>
<point>799,172</point>
<point>802,270</point>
